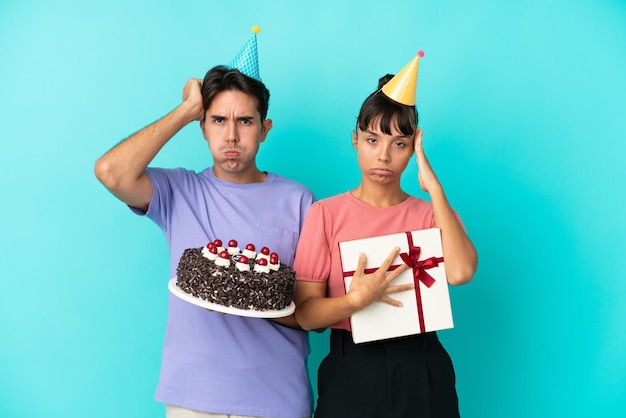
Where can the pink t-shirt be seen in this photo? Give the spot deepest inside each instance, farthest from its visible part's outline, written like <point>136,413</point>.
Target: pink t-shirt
<point>343,218</point>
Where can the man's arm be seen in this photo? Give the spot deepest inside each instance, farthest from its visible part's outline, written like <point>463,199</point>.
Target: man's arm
<point>122,170</point>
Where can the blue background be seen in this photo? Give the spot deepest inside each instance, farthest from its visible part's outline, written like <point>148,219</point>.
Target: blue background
<point>522,106</point>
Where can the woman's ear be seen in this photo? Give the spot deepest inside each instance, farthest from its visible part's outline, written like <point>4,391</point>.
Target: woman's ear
<point>354,138</point>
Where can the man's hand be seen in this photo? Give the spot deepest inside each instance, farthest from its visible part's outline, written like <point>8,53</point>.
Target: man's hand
<point>192,96</point>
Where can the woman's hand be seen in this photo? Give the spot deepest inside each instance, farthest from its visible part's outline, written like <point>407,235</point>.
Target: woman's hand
<point>425,175</point>
<point>366,289</point>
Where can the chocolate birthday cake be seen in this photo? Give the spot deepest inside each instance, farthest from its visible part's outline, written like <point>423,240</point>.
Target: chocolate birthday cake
<point>235,278</point>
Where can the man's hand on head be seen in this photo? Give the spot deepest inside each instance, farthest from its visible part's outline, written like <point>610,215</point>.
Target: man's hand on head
<point>192,97</point>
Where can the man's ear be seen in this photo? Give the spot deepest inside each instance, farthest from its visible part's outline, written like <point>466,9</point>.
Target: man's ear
<point>202,128</point>
<point>354,139</point>
<point>267,125</point>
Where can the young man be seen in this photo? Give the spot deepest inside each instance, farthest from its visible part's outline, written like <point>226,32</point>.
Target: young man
<point>214,363</point>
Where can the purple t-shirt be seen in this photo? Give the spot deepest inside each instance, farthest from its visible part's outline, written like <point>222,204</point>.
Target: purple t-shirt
<point>225,363</point>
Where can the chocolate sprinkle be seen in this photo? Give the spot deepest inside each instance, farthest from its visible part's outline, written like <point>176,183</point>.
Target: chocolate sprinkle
<point>230,287</point>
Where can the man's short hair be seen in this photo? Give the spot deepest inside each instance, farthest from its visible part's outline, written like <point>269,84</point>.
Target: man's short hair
<point>221,78</point>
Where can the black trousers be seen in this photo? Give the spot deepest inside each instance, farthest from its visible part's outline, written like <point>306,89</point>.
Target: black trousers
<point>410,377</point>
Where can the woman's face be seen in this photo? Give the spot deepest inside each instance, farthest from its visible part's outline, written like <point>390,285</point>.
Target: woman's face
<point>382,157</point>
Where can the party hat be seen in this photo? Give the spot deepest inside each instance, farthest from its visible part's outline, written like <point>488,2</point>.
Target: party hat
<point>401,88</point>
<point>247,60</point>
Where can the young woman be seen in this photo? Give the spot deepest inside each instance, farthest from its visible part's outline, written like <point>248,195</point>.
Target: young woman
<point>401,377</point>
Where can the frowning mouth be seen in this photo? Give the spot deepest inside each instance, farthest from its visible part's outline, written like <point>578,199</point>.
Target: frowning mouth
<point>231,153</point>
<point>381,171</point>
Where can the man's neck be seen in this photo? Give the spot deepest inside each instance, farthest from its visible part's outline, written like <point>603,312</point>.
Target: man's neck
<point>252,176</point>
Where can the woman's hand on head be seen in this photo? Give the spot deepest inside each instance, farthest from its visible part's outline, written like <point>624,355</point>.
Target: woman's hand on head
<point>366,289</point>
<point>425,175</point>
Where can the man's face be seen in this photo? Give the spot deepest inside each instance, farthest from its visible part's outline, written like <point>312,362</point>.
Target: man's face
<point>233,129</point>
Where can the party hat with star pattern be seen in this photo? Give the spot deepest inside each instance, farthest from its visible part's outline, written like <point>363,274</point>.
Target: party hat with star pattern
<point>401,88</point>
<point>247,60</point>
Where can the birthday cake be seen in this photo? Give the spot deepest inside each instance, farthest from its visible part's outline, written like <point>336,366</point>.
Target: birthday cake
<point>241,279</point>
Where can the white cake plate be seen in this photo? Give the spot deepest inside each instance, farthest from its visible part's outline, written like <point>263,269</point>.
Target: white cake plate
<point>177,291</point>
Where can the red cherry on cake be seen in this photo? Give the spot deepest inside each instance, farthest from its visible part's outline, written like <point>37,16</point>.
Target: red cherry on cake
<point>224,254</point>
<point>211,245</point>
<point>274,258</point>
<point>212,249</point>
<point>250,247</point>
<point>218,242</point>
<point>242,259</point>
<point>262,262</point>
<point>232,243</point>
<point>265,251</point>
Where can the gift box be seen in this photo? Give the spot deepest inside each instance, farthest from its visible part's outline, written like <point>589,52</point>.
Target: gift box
<point>425,308</point>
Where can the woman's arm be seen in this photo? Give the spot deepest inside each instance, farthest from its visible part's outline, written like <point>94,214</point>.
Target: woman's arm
<point>461,259</point>
<point>314,310</point>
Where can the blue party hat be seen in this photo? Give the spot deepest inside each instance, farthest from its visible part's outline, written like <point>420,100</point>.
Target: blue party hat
<point>247,60</point>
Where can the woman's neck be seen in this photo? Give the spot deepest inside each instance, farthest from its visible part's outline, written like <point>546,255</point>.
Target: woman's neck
<point>380,196</point>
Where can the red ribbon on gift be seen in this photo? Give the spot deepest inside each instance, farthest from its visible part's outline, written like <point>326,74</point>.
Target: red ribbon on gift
<point>419,273</point>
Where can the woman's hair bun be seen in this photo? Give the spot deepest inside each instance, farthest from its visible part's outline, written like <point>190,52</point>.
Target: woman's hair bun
<point>384,80</point>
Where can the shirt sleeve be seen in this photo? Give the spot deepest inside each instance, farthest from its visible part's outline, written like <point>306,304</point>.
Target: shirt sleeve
<point>313,256</point>
<point>158,209</point>
<point>161,193</point>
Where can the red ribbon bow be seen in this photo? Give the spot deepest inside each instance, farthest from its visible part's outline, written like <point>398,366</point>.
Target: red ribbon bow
<point>419,267</point>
